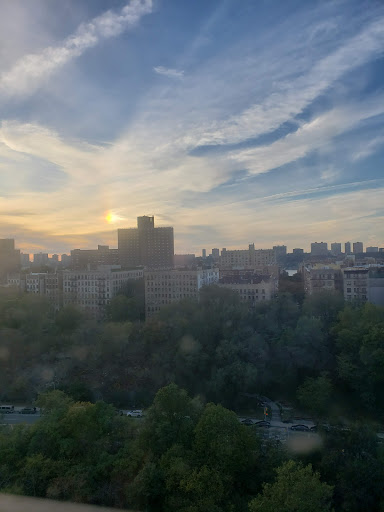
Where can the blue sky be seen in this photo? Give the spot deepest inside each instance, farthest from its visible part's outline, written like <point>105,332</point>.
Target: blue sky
<point>234,121</point>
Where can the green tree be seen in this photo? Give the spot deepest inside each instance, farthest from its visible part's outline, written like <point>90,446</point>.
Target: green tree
<point>314,395</point>
<point>296,489</point>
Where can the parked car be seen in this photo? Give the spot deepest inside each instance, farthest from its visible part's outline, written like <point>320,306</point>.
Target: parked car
<point>28,410</point>
<point>263,423</point>
<point>7,409</point>
<point>138,413</point>
<point>247,421</point>
<point>300,428</point>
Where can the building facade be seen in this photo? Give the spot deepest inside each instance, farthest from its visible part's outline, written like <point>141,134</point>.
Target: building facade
<point>146,246</point>
<point>252,289</point>
<point>163,287</point>
<point>319,249</point>
<point>318,278</point>
<point>358,247</point>
<point>336,249</point>
<point>92,290</point>
<point>9,258</point>
<point>83,259</point>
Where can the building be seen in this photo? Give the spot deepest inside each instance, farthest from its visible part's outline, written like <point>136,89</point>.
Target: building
<point>215,254</point>
<point>92,290</point>
<point>347,248</point>
<point>319,249</point>
<point>9,258</point>
<point>376,286</point>
<point>146,246</point>
<point>247,258</point>
<point>65,260</point>
<point>24,260</point>
<point>184,260</point>
<point>54,259</point>
<point>356,283</point>
<point>252,289</point>
<point>372,249</point>
<point>163,287</point>
<point>204,253</point>
<point>336,249</point>
<point>40,259</point>
<point>83,259</point>
<point>358,247</point>
<point>45,284</point>
<point>279,252</point>
<point>298,252</point>
<point>319,278</point>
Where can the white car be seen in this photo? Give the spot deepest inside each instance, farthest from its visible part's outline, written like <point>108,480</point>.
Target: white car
<point>138,413</point>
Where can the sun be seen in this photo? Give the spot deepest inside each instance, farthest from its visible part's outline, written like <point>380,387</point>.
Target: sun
<point>111,218</point>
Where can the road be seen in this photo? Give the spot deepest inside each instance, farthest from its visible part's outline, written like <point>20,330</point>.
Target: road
<point>17,418</point>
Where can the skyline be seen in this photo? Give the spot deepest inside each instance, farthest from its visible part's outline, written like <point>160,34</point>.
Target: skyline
<point>232,123</point>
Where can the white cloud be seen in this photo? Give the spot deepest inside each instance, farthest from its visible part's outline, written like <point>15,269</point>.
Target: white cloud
<point>368,148</point>
<point>290,98</point>
<point>32,70</point>
<point>169,72</point>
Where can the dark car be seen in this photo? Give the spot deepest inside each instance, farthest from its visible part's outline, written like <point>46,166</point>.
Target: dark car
<point>263,423</point>
<point>28,410</point>
<point>300,428</point>
<point>247,421</point>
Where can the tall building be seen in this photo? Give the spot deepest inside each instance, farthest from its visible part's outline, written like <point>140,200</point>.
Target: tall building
<point>319,249</point>
<point>204,253</point>
<point>146,245</point>
<point>298,251</point>
<point>215,254</point>
<point>65,260</point>
<point>9,258</point>
<point>24,260</point>
<point>336,249</point>
<point>40,259</point>
<point>279,251</point>
<point>162,287</point>
<point>372,249</point>
<point>358,247</point>
<point>347,248</point>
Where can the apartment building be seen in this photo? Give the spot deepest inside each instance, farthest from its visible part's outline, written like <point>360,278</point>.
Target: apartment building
<point>92,290</point>
<point>146,246</point>
<point>252,289</point>
<point>39,283</point>
<point>84,259</point>
<point>319,277</point>
<point>319,249</point>
<point>9,258</point>
<point>163,287</point>
<point>247,258</point>
<point>364,284</point>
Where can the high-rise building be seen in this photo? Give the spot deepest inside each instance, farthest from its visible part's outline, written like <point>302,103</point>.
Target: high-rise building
<point>24,260</point>
<point>204,253</point>
<point>215,254</point>
<point>280,251</point>
<point>319,249</point>
<point>9,258</point>
<point>372,249</point>
<point>336,249</point>
<point>298,251</point>
<point>65,260</point>
<point>358,247</point>
<point>146,245</point>
<point>347,248</point>
<point>40,259</point>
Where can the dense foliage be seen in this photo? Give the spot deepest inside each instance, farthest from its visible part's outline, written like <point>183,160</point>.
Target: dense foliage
<point>192,454</point>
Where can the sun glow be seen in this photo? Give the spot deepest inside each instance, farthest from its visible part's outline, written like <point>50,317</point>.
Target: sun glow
<point>111,218</point>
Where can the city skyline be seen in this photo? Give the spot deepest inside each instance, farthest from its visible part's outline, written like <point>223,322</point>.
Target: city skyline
<point>235,123</point>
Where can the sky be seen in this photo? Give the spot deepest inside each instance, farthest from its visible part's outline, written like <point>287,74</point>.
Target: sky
<point>235,122</point>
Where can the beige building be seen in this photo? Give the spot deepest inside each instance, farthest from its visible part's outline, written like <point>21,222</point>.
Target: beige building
<point>163,287</point>
<point>39,283</point>
<point>247,258</point>
<point>93,290</point>
<point>319,277</point>
<point>252,290</point>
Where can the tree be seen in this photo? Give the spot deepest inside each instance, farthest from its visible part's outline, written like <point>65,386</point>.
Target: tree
<point>296,489</point>
<point>315,394</point>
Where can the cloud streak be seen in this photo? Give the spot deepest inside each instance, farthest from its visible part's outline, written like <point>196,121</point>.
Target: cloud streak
<point>32,70</point>
<point>169,72</point>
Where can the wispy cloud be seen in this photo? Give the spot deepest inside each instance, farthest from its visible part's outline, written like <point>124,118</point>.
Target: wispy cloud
<point>169,72</point>
<point>32,70</point>
<point>368,148</point>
